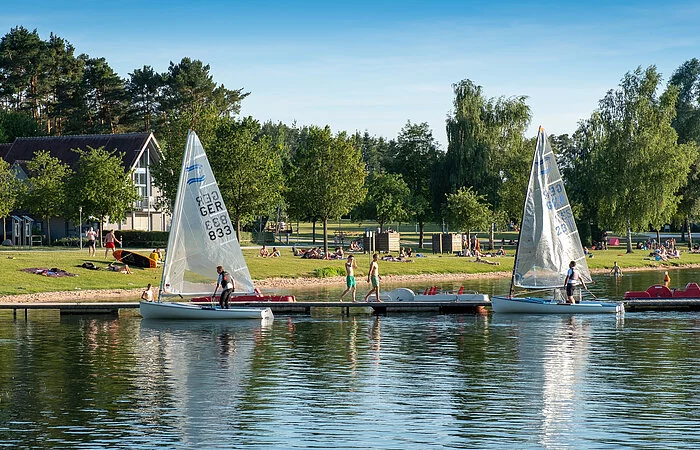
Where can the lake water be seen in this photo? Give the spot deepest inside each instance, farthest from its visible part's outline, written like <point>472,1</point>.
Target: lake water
<point>399,381</point>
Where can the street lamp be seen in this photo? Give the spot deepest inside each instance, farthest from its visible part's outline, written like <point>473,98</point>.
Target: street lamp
<point>80,227</point>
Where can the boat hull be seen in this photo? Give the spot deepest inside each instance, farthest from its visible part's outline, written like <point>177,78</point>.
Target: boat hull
<point>407,295</point>
<point>533,305</point>
<point>185,311</point>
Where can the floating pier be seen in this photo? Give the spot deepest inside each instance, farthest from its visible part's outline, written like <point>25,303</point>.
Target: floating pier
<point>447,307</point>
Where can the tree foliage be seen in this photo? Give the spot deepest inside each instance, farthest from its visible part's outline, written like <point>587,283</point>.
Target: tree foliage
<point>247,169</point>
<point>101,187</point>
<point>387,198</point>
<point>46,193</point>
<point>10,187</point>
<point>328,177</point>
<point>467,210</point>
<point>642,166</point>
<point>481,133</point>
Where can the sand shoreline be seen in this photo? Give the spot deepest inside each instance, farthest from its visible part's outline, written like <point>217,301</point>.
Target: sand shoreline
<point>276,283</point>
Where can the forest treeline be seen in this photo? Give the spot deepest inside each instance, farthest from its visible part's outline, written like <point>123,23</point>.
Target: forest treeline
<point>630,166</point>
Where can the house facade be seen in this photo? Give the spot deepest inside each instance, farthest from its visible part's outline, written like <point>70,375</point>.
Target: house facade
<point>139,152</point>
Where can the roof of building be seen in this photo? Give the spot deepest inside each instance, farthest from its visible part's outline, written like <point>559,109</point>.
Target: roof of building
<point>61,147</point>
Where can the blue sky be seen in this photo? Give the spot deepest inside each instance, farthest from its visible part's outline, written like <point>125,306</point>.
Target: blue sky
<point>373,65</point>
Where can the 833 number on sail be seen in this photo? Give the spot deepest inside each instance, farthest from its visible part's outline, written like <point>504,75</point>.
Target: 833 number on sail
<point>211,208</point>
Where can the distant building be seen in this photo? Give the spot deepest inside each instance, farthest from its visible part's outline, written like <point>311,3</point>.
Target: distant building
<point>140,151</point>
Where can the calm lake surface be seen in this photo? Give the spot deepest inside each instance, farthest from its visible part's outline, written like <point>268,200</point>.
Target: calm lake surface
<point>327,381</point>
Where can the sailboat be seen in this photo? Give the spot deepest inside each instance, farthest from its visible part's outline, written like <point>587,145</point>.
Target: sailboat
<point>548,241</point>
<point>201,238</point>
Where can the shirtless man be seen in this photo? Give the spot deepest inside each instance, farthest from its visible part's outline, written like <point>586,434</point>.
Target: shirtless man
<point>91,235</point>
<point>373,277</point>
<point>110,239</point>
<point>350,267</point>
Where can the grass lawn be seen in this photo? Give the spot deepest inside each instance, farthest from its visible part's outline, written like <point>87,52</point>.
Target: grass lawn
<point>15,281</point>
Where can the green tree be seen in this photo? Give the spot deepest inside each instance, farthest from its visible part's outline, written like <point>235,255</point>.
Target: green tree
<point>467,210</point>
<point>247,169</point>
<point>189,90</point>
<point>104,96</point>
<point>387,198</point>
<point>328,177</point>
<point>22,56</point>
<point>101,186</point>
<point>144,90</point>
<point>481,133</point>
<point>374,150</point>
<point>641,167</point>
<point>15,124</point>
<point>46,188</point>
<point>415,155</point>
<point>687,124</point>
<point>10,187</point>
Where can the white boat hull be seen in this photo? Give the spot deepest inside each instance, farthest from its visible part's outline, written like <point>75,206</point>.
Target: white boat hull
<point>186,311</point>
<point>407,295</point>
<point>533,305</point>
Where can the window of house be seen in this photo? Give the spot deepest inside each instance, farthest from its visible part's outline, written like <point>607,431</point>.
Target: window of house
<point>141,180</point>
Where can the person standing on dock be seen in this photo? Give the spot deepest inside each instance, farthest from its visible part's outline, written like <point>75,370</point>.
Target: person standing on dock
<point>667,279</point>
<point>350,267</point>
<point>373,277</point>
<point>226,282</point>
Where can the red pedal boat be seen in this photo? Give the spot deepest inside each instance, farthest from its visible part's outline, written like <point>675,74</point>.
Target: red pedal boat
<point>692,290</point>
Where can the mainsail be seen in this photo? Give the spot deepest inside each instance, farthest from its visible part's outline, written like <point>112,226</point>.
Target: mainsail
<point>201,234</point>
<point>549,239</point>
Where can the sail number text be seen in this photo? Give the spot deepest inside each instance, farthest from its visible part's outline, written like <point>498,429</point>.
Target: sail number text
<point>210,206</point>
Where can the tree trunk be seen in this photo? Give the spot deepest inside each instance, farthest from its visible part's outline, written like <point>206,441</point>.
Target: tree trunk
<point>313,232</point>
<point>238,230</point>
<point>325,236</point>
<point>491,236</point>
<point>629,236</point>
<point>421,226</point>
<point>48,232</point>
<point>658,237</point>
<point>690,233</point>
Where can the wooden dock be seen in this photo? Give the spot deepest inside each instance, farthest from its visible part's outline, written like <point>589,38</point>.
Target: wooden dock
<point>67,308</point>
<point>449,307</point>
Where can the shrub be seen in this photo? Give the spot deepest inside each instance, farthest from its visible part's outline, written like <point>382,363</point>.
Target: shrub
<point>148,239</point>
<point>327,272</point>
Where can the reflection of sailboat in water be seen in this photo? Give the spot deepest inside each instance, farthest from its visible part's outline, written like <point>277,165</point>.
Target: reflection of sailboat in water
<point>198,373</point>
<point>553,357</point>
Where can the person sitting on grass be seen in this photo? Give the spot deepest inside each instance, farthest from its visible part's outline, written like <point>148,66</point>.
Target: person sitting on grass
<point>275,253</point>
<point>263,252</point>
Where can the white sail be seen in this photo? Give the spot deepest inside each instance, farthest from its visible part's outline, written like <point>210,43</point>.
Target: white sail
<point>201,234</point>
<point>549,239</point>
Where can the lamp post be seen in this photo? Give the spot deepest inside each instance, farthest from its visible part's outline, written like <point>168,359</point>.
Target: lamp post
<point>80,227</point>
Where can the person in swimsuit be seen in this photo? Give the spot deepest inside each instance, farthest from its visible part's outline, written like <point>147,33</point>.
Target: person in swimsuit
<point>350,267</point>
<point>110,240</point>
<point>374,278</point>
<point>91,235</point>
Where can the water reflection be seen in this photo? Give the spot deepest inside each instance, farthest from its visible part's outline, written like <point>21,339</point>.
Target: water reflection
<point>396,381</point>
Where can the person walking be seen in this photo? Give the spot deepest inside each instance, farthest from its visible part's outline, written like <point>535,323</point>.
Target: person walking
<point>91,236</point>
<point>226,282</point>
<point>350,267</point>
<point>573,278</point>
<point>374,278</point>
<point>110,240</point>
